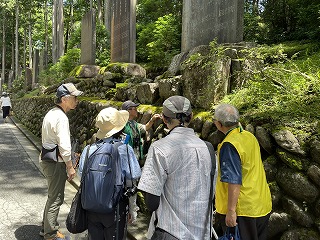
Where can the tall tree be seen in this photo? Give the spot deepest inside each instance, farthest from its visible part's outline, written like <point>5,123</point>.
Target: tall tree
<point>58,30</point>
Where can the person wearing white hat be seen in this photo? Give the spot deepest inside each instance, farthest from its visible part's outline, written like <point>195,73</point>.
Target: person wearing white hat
<point>57,168</point>
<point>176,178</point>
<point>5,105</point>
<point>110,123</point>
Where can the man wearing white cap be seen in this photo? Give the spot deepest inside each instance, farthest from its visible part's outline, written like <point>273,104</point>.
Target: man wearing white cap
<point>176,178</point>
<point>55,157</point>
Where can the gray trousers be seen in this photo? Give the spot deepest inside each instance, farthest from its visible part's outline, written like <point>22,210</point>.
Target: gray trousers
<point>56,175</point>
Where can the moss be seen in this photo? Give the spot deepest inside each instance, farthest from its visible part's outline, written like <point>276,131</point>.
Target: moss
<point>102,70</point>
<point>151,108</point>
<point>76,71</point>
<point>292,162</point>
<point>272,160</point>
<point>204,115</point>
<point>122,85</point>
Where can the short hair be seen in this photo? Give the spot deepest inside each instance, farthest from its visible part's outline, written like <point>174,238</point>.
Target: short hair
<point>227,115</point>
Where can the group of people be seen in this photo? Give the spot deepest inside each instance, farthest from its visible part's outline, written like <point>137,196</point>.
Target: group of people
<point>176,179</point>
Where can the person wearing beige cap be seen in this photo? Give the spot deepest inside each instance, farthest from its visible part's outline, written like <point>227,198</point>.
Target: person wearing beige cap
<point>55,157</point>
<point>176,178</point>
<point>103,226</point>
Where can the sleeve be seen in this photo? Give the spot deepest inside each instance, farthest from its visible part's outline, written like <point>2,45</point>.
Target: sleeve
<point>129,162</point>
<point>154,173</point>
<point>142,128</point>
<point>230,164</point>
<point>63,138</point>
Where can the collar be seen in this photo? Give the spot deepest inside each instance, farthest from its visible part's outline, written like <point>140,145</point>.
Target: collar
<point>231,129</point>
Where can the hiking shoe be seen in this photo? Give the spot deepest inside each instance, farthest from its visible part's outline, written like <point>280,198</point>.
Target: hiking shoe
<point>60,236</point>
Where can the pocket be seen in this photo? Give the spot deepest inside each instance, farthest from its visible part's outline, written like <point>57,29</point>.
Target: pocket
<point>50,154</point>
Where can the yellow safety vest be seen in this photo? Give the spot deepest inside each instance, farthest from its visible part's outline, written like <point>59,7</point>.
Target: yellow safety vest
<point>255,198</point>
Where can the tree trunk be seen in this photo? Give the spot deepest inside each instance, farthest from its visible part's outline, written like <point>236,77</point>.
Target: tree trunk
<point>45,55</point>
<point>17,68</point>
<point>3,54</point>
<point>99,5</point>
<point>107,15</point>
<point>30,41</point>
<point>54,31</point>
<point>58,31</point>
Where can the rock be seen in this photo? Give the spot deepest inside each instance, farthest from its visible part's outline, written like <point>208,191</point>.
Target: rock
<point>300,234</point>
<point>206,129</point>
<point>148,93</point>
<point>88,71</point>
<point>175,65</point>
<point>297,212</point>
<point>275,194</point>
<point>314,173</point>
<point>264,139</point>
<point>317,208</point>
<point>169,87</point>
<point>288,141</point>
<point>250,128</point>
<point>297,185</point>
<point>292,160</point>
<point>271,171</point>
<point>215,138</point>
<point>201,90</point>
<point>197,124</point>
<point>278,223</point>
<point>128,69</point>
<point>315,150</point>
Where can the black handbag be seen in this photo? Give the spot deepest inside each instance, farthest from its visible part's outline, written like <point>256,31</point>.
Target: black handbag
<point>50,154</point>
<point>77,220</point>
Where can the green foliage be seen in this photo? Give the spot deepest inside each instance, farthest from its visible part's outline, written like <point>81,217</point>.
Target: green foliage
<point>158,31</point>
<point>165,42</point>
<point>61,69</point>
<point>18,86</point>
<point>284,92</point>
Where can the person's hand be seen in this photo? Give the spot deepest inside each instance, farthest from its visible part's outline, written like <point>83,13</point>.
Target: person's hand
<point>71,173</point>
<point>231,218</point>
<point>155,117</point>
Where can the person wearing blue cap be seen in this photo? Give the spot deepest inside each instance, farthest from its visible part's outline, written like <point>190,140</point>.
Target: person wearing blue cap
<point>55,157</point>
<point>135,130</point>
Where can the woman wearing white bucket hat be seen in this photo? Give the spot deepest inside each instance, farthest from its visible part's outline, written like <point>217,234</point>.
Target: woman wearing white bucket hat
<point>110,123</point>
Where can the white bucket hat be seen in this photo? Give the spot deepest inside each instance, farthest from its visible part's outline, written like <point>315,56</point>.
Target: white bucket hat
<point>110,121</point>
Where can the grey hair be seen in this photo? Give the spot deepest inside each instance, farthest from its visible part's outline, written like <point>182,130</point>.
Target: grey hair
<point>227,115</point>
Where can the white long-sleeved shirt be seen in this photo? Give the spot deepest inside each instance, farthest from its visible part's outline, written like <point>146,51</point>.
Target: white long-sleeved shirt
<point>5,102</point>
<point>55,131</point>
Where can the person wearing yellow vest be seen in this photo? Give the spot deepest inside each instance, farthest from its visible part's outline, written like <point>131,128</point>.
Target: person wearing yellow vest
<point>242,195</point>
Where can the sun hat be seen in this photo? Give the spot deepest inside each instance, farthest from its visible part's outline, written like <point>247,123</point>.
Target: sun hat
<point>67,89</point>
<point>129,104</point>
<point>110,121</point>
<point>176,104</point>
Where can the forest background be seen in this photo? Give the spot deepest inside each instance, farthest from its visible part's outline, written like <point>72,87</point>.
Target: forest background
<point>27,25</point>
<point>287,33</point>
